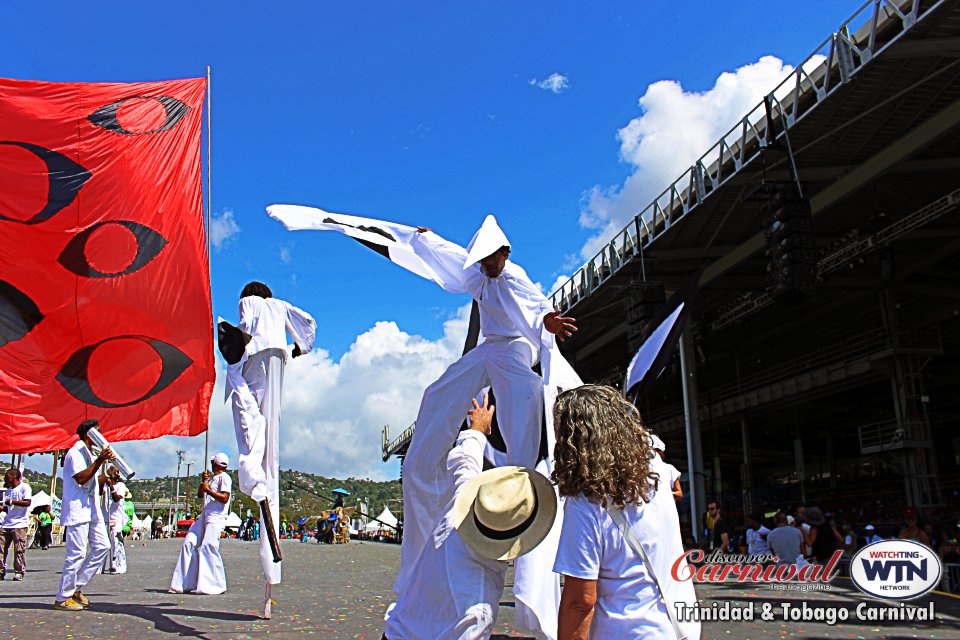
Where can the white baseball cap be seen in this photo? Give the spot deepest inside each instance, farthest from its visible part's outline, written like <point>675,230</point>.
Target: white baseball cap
<point>221,459</point>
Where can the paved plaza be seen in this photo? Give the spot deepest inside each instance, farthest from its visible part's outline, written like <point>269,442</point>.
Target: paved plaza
<point>341,592</point>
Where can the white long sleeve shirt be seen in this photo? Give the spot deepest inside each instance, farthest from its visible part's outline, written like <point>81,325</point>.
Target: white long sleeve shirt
<point>510,305</point>
<point>452,592</point>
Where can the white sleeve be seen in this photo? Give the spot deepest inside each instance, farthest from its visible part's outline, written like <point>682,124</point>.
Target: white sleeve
<point>446,260</point>
<point>301,326</point>
<point>465,460</point>
<point>73,463</point>
<point>580,550</point>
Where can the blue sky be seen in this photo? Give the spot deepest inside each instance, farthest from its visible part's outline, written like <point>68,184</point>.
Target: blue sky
<point>424,113</point>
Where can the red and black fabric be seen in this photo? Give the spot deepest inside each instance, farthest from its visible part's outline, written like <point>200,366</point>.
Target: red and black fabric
<point>104,281</point>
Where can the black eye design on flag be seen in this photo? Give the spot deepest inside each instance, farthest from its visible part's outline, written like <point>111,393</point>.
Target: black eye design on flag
<point>75,374</point>
<point>119,262</point>
<point>18,313</point>
<point>107,116</point>
<point>64,177</point>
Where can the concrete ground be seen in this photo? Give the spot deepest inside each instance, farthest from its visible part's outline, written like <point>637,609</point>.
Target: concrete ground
<point>341,592</point>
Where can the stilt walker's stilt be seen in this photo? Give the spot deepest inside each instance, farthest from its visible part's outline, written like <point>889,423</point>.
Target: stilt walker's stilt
<point>266,602</point>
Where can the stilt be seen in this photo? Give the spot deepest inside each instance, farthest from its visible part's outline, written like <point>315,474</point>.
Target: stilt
<point>267,602</point>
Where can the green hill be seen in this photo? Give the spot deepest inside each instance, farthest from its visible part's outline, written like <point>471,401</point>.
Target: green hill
<point>298,492</point>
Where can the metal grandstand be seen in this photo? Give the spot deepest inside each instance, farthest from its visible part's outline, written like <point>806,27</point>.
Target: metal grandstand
<point>857,379</point>
<point>850,395</point>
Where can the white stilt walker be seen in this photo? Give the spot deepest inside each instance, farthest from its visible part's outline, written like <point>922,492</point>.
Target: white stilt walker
<point>518,328</point>
<point>254,384</point>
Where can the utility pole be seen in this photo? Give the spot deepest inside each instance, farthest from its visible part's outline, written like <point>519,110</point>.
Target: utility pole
<point>186,490</point>
<point>176,491</point>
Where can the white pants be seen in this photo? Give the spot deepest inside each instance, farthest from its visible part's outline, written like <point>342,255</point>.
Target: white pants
<point>80,565</point>
<point>256,420</point>
<point>119,551</point>
<point>201,570</point>
<point>506,366</point>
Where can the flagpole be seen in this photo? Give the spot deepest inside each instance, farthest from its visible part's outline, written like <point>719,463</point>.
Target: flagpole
<point>206,435</point>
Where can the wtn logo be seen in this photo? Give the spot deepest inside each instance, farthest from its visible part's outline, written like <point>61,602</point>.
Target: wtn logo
<point>903,570</point>
<point>895,569</point>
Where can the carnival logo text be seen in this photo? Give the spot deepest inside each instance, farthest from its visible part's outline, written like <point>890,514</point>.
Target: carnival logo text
<point>895,569</point>
<point>718,567</point>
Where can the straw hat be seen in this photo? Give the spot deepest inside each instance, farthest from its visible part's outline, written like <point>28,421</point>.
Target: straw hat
<point>486,241</point>
<point>505,512</point>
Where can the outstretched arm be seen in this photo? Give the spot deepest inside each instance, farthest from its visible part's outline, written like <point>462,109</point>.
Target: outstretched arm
<point>302,327</point>
<point>446,260</point>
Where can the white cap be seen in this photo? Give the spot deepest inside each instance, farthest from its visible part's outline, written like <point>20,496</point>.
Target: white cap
<point>869,527</point>
<point>221,459</point>
<point>657,443</point>
<point>486,241</point>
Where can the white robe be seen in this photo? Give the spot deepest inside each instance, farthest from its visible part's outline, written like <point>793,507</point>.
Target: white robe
<point>512,310</point>
<point>255,384</point>
<point>117,520</point>
<point>200,566</point>
<point>453,594</point>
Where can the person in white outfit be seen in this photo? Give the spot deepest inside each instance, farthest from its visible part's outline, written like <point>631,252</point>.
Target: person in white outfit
<point>200,567</point>
<point>13,529</point>
<point>254,383</point>
<point>614,484</point>
<point>83,517</point>
<point>518,329</point>
<point>489,518</point>
<point>115,490</point>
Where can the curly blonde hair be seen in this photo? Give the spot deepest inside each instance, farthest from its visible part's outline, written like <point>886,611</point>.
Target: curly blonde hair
<point>602,450</point>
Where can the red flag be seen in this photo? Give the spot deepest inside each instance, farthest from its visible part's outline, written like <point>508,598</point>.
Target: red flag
<point>104,282</point>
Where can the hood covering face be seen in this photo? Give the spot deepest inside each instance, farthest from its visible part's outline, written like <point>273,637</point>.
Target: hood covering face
<point>486,241</point>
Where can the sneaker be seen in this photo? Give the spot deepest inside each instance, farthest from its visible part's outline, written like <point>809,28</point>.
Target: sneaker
<point>80,599</point>
<point>17,577</point>
<point>67,605</point>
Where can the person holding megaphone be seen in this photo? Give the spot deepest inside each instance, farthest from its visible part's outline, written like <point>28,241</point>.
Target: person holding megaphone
<point>83,517</point>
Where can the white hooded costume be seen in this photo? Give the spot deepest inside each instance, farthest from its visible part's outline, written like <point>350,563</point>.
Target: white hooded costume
<point>254,384</point>
<point>513,339</point>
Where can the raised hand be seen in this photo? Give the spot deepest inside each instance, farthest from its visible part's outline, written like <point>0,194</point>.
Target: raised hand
<point>560,326</point>
<point>481,418</point>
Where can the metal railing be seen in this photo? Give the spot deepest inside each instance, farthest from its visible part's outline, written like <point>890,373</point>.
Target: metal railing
<point>392,447</point>
<point>890,435</point>
<point>838,59</point>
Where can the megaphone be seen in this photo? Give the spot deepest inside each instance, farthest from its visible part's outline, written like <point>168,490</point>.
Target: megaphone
<point>101,443</point>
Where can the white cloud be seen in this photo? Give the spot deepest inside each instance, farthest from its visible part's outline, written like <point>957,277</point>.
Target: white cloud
<point>676,127</point>
<point>286,255</point>
<point>333,410</point>
<point>555,83</point>
<point>222,228</point>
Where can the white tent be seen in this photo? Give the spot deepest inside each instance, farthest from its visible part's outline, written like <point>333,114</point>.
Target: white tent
<point>39,499</point>
<point>233,521</point>
<point>385,517</point>
<point>142,525</point>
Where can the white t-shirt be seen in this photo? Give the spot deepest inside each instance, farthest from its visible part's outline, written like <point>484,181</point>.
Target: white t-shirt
<point>214,510</point>
<point>757,541</point>
<point>592,548</point>
<point>80,503</point>
<point>807,549</point>
<point>17,517</point>
<point>118,515</point>
<point>672,474</point>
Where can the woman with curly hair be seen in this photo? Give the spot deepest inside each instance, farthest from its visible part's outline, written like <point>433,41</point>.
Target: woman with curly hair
<point>604,457</point>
